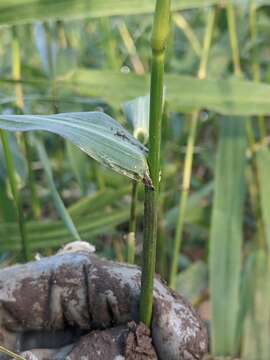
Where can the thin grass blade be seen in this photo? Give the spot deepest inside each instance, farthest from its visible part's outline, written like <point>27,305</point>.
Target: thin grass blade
<point>59,205</point>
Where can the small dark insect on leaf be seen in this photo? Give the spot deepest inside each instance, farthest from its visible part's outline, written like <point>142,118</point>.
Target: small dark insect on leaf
<point>121,134</point>
<point>96,133</point>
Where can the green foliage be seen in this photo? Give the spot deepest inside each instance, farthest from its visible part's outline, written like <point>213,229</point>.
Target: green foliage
<point>263,163</point>
<point>78,161</point>
<point>54,193</point>
<point>226,235</point>
<point>256,325</point>
<point>7,213</point>
<point>137,114</point>
<point>95,133</point>
<point>78,63</point>
<point>18,158</point>
<point>53,234</point>
<point>225,96</point>
<point>23,11</point>
<point>193,281</point>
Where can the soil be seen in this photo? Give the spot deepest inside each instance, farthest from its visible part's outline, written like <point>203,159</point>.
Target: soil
<point>139,343</point>
<point>132,342</point>
<point>101,345</point>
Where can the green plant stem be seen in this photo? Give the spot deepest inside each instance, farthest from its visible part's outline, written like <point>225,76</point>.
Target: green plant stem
<point>183,197</point>
<point>189,154</point>
<point>161,266</point>
<point>161,242</point>
<point>51,66</point>
<point>233,38</point>
<point>158,44</point>
<point>61,36</point>
<point>31,180</point>
<point>14,189</point>
<point>254,185</point>
<point>131,48</point>
<point>112,57</point>
<point>16,75</point>
<point>16,69</point>
<point>181,23</point>
<point>139,69</point>
<point>207,43</point>
<point>59,205</point>
<point>249,129</point>
<point>254,64</point>
<point>253,35</point>
<point>131,243</point>
<point>236,60</point>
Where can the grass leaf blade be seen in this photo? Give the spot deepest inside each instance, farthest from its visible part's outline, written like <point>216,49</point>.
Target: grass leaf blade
<point>226,235</point>
<point>263,165</point>
<point>56,197</point>
<point>25,11</point>
<point>96,133</point>
<point>224,96</point>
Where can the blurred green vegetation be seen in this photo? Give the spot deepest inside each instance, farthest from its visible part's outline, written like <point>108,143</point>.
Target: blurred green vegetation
<point>68,56</point>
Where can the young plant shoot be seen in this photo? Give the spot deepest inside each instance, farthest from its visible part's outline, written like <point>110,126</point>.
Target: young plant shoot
<point>160,33</point>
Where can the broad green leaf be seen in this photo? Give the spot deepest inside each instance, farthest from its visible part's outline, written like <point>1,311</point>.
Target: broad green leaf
<point>24,11</point>
<point>96,133</point>
<point>246,291</point>
<point>256,326</point>
<point>263,165</point>
<point>225,96</point>
<point>226,236</point>
<point>183,93</point>
<point>59,205</point>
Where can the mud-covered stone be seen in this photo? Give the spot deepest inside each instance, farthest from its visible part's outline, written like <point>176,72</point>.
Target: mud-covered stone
<point>101,345</point>
<point>54,301</point>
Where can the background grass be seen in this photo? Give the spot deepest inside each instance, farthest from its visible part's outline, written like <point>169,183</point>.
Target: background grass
<point>67,56</point>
